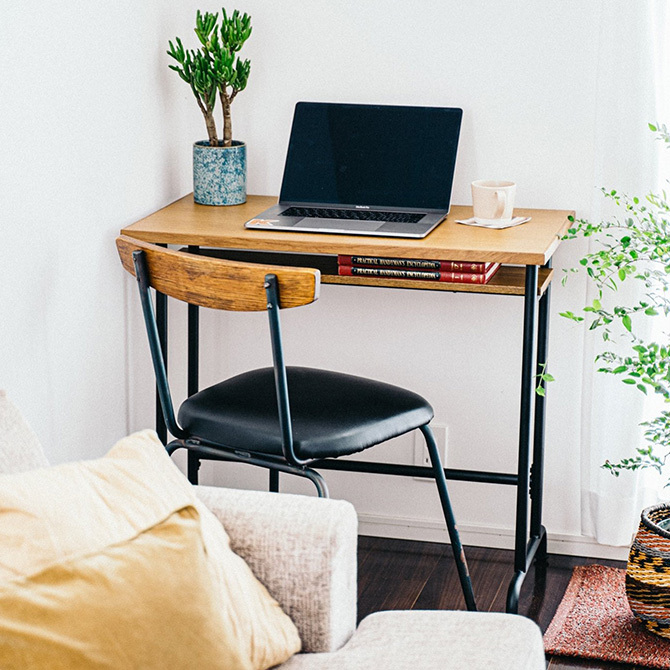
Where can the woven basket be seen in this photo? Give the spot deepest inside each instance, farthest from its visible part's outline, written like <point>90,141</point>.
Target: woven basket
<point>648,571</point>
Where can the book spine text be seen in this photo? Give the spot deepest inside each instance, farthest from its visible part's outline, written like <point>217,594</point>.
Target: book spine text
<point>457,277</point>
<point>413,264</point>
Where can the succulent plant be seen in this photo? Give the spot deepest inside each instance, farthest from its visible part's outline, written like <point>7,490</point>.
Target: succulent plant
<point>215,70</point>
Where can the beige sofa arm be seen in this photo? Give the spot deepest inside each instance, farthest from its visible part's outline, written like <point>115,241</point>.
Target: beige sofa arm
<point>303,549</point>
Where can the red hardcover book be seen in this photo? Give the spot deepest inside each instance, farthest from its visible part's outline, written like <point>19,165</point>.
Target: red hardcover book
<point>414,264</point>
<point>419,275</point>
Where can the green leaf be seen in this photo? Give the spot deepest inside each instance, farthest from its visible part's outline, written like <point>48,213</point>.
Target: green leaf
<point>627,322</point>
<point>570,315</point>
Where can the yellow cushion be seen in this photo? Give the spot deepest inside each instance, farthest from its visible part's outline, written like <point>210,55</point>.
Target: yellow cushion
<point>122,607</point>
<point>78,509</point>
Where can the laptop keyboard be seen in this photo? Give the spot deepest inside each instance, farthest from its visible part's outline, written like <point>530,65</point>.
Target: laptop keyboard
<point>356,214</point>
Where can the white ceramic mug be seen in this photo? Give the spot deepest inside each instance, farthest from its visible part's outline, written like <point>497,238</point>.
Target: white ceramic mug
<point>493,200</point>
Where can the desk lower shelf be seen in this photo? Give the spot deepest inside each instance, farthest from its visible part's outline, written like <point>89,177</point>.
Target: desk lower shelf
<point>509,280</point>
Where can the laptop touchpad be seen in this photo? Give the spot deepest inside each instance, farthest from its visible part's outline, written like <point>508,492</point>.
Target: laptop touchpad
<point>338,224</point>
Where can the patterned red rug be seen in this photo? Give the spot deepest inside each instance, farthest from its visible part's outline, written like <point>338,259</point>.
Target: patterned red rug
<point>594,621</point>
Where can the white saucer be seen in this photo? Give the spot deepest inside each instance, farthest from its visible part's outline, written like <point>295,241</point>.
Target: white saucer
<point>492,222</point>
<point>495,223</point>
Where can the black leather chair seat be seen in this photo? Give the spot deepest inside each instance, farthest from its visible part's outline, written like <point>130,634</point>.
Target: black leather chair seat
<point>333,414</point>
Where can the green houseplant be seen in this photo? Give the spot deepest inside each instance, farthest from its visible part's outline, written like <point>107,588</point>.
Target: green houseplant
<point>216,71</point>
<point>635,247</point>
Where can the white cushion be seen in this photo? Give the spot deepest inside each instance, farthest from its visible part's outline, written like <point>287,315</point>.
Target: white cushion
<point>435,640</point>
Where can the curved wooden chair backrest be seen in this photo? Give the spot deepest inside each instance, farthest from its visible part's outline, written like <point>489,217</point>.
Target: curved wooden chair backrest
<point>218,283</point>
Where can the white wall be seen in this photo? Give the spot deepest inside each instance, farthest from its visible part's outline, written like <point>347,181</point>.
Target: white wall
<point>91,123</point>
<point>96,133</point>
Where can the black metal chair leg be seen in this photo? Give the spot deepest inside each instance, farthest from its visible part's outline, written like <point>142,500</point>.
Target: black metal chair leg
<point>193,465</point>
<point>318,481</point>
<point>196,452</point>
<point>456,546</point>
<point>274,481</point>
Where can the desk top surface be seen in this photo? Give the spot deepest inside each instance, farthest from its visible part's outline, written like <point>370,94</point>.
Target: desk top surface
<point>186,223</point>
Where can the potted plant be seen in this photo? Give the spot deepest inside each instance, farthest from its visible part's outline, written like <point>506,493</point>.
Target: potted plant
<point>636,248</point>
<point>216,71</point>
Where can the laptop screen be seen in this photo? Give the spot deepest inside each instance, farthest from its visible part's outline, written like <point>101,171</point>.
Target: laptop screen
<point>371,155</point>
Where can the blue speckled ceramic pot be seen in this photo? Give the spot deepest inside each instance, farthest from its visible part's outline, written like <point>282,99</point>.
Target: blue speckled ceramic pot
<point>220,174</point>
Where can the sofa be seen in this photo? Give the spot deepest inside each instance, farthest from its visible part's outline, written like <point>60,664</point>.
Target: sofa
<point>303,549</point>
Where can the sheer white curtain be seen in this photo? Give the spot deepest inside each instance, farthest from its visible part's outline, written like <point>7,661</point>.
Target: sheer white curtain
<point>632,90</point>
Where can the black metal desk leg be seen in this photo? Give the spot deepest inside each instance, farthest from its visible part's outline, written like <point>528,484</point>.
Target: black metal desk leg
<point>525,434</point>
<point>162,324</point>
<point>537,530</point>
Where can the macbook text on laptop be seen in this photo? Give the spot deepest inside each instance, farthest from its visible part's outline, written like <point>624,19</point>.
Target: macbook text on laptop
<point>366,170</point>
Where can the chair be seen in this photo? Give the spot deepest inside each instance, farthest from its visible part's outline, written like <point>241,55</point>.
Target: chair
<point>281,418</point>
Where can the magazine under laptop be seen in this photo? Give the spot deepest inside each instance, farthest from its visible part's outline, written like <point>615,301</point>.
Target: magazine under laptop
<point>366,170</point>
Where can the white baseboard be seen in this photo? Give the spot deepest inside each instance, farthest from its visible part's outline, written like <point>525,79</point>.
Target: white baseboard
<point>407,528</point>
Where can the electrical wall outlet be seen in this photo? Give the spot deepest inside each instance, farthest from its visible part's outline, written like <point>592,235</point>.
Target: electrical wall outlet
<point>421,456</point>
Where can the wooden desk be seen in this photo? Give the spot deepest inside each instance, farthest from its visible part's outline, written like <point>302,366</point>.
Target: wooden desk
<point>530,246</point>
<point>185,223</point>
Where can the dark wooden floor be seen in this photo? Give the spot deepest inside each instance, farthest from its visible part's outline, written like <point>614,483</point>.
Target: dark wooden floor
<point>400,574</point>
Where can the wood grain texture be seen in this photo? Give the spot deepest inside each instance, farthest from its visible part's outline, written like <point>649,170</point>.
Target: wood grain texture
<point>216,283</point>
<point>187,223</point>
<point>509,280</point>
<point>413,561</point>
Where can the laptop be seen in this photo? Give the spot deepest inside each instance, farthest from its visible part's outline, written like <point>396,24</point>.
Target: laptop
<point>366,170</point>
